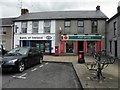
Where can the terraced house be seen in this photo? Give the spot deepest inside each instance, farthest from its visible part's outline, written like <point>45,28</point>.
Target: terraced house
<point>61,32</point>
<point>6,34</point>
<point>113,35</point>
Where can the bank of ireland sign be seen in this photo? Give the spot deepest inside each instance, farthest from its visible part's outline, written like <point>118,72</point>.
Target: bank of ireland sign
<point>48,37</point>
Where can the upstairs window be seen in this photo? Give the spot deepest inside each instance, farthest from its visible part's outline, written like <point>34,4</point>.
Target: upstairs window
<point>80,27</point>
<point>67,27</point>
<point>35,27</point>
<point>24,27</point>
<point>2,30</point>
<point>115,28</point>
<point>94,26</point>
<point>47,26</point>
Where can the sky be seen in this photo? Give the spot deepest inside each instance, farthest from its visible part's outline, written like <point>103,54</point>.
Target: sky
<point>12,8</point>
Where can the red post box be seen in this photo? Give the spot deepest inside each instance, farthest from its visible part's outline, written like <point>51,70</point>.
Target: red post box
<point>56,51</point>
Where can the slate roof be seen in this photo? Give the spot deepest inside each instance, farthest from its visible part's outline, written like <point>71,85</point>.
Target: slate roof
<point>6,21</point>
<point>63,15</point>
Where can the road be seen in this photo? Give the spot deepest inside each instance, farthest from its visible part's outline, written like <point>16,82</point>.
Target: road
<point>46,75</point>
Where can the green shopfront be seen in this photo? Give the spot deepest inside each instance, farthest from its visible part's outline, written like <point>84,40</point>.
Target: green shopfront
<point>75,43</point>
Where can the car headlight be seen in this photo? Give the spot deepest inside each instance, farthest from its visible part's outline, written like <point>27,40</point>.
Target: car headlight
<point>12,61</point>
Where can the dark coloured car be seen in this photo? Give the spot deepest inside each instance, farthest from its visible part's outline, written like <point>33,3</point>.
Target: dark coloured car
<point>21,58</point>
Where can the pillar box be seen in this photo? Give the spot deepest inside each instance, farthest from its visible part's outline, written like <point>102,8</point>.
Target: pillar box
<point>81,57</point>
<point>56,50</point>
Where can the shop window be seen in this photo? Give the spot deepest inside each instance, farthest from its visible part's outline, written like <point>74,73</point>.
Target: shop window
<point>80,26</point>
<point>47,26</point>
<point>35,27</point>
<point>24,27</point>
<point>3,30</point>
<point>67,27</point>
<point>94,26</point>
<point>69,47</point>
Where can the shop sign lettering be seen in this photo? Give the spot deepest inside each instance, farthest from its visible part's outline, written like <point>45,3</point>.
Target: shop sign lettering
<point>48,37</point>
<point>31,37</point>
<point>83,37</point>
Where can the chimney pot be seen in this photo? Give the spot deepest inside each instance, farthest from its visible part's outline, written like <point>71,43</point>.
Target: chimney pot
<point>98,7</point>
<point>24,11</point>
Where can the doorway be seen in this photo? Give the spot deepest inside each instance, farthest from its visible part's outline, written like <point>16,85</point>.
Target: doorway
<point>80,46</point>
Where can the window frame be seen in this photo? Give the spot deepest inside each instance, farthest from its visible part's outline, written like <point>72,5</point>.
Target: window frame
<point>33,26</point>
<point>47,26</point>
<point>115,27</point>
<point>24,31</point>
<point>94,26</point>
<point>67,24</point>
<point>80,26</point>
<point>3,30</point>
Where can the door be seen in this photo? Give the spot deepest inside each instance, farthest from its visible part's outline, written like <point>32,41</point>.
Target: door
<point>80,46</point>
<point>115,48</point>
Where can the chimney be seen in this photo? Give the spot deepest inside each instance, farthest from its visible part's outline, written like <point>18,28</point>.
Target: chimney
<point>118,9</point>
<point>24,11</point>
<point>98,7</point>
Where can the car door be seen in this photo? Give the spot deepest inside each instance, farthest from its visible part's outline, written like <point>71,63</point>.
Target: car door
<point>35,56</point>
<point>30,57</point>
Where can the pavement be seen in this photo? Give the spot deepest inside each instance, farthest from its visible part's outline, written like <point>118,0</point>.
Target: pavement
<point>85,75</point>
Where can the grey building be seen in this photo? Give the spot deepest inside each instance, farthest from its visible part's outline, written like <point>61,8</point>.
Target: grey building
<point>6,35</point>
<point>113,35</point>
<point>62,32</point>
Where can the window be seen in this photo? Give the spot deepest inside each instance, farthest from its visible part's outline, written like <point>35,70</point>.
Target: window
<point>47,25</point>
<point>35,27</point>
<point>24,27</point>
<point>2,30</point>
<point>94,27</point>
<point>67,27</point>
<point>115,28</point>
<point>110,46</point>
<point>3,43</point>
<point>80,27</point>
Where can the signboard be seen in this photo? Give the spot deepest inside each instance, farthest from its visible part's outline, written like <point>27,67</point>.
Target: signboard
<point>36,37</point>
<point>78,37</point>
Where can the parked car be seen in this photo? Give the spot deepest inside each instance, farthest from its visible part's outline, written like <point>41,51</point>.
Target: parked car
<point>19,59</point>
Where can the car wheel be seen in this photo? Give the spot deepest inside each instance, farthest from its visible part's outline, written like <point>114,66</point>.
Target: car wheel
<point>41,60</point>
<point>21,67</point>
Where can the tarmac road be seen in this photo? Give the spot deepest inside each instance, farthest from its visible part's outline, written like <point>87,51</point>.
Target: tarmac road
<point>46,75</point>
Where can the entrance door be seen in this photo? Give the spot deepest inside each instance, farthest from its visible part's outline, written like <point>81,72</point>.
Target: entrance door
<point>115,48</point>
<point>80,46</point>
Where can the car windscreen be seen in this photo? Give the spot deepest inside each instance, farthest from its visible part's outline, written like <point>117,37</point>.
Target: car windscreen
<point>18,51</point>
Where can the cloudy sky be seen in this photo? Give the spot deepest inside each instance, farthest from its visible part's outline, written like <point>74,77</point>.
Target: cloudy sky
<point>11,8</point>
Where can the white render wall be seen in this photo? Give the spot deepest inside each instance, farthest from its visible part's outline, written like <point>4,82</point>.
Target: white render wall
<point>40,33</point>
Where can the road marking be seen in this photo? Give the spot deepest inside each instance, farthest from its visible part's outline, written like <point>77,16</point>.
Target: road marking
<point>34,69</point>
<point>41,66</point>
<point>21,76</point>
<point>46,63</point>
